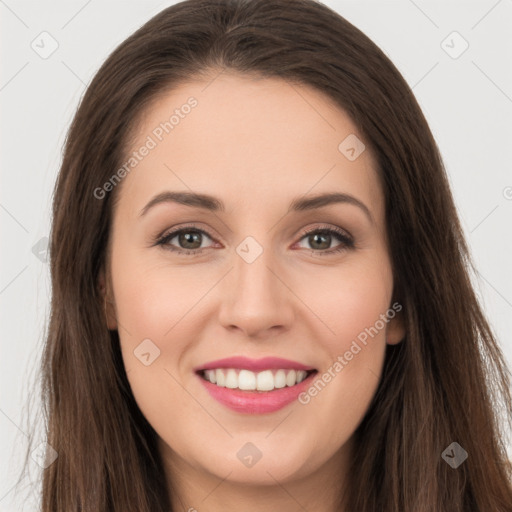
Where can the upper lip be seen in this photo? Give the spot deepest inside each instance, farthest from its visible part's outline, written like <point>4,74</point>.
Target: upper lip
<point>255,365</point>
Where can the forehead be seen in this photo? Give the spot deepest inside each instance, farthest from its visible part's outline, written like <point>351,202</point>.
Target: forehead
<point>252,141</point>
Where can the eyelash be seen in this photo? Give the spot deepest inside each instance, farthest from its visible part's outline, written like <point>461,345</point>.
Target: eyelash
<point>347,241</point>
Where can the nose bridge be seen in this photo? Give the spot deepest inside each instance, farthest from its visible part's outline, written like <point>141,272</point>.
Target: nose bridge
<point>254,298</point>
<point>254,280</point>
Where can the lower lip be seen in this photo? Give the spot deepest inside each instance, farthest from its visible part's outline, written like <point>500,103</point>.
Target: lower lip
<point>256,402</point>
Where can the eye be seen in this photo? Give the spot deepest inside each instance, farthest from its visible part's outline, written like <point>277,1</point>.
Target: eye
<point>321,238</point>
<point>189,240</point>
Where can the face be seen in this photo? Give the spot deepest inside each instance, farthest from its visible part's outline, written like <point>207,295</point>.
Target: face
<point>255,278</point>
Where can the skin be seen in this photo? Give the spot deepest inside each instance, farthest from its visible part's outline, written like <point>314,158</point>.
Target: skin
<point>256,144</point>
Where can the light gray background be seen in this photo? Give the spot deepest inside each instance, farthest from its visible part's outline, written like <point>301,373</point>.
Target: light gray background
<point>467,102</point>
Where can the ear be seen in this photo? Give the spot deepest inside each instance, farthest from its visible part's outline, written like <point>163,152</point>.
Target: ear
<point>395,331</point>
<point>107,301</point>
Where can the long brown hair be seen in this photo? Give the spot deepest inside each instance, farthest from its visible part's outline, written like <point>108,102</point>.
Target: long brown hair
<point>446,382</point>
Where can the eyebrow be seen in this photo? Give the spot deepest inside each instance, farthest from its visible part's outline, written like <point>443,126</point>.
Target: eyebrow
<point>213,204</point>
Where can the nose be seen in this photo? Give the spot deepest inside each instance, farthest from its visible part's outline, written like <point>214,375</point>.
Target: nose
<point>255,298</point>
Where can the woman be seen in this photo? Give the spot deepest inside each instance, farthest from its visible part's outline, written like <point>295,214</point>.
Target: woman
<point>261,290</point>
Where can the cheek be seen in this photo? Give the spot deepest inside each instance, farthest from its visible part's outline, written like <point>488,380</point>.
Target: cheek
<point>350,301</point>
<point>352,304</point>
<point>152,297</point>
<point>154,307</point>
<point>152,302</point>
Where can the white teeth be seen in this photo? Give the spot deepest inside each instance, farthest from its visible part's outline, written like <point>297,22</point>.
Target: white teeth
<point>280,379</point>
<point>231,379</point>
<point>291,378</point>
<point>246,380</point>
<point>220,378</point>
<point>265,381</point>
<point>210,375</point>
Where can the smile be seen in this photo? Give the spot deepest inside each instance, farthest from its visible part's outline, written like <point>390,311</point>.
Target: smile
<point>255,386</point>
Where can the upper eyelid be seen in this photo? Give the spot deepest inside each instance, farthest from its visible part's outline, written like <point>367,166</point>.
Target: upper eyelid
<point>173,232</point>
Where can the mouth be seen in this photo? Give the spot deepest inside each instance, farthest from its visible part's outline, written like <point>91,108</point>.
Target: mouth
<point>261,392</point>
<point>256,382</point>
